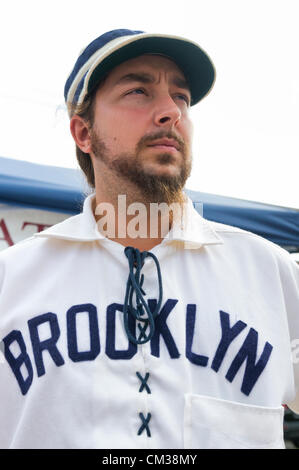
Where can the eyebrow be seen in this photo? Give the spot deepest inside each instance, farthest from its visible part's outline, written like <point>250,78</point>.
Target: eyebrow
<point>147,78</point>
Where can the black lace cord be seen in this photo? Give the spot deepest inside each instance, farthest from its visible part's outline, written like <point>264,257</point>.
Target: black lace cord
<point>142,312</point>
<point>135,260</point>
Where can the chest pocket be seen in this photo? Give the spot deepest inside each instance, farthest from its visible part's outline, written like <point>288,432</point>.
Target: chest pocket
<point>211,423</point>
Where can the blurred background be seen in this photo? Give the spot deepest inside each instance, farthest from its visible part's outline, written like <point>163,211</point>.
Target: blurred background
<point>246,130</point>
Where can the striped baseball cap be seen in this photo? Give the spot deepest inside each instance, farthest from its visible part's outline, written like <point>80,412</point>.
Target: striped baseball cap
<point>114,47</point>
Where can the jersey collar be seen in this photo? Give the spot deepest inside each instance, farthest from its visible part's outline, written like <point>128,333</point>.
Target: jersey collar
<point>192,230</point>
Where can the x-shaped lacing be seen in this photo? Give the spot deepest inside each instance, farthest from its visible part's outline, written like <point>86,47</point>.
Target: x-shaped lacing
<point>143,382</point>
<point>142,330</point>
<point>144,425</point>
<point>134,286</point>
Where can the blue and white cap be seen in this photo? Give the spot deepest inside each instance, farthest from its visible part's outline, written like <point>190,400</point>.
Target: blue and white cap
<point>114,47</point>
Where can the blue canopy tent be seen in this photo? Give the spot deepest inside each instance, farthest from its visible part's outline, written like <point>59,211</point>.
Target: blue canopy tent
<point>63,190</point>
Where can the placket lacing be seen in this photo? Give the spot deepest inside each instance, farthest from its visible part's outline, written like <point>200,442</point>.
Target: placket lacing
<point>144,382</point>
<point>144,425</point>
<point>142,313</point>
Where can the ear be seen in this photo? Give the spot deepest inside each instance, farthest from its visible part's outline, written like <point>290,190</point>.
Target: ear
<point>80,132</point>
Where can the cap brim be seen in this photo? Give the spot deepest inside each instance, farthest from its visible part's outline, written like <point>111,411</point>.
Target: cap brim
<point>196,65</point>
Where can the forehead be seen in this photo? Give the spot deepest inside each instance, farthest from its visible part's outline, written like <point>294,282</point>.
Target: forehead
<point>151,63</point>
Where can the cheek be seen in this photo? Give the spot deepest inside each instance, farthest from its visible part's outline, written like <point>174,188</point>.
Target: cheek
<point>187,130</point>
<point>120,130</point>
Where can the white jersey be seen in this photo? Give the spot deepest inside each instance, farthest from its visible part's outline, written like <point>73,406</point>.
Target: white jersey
<point>216,373</point>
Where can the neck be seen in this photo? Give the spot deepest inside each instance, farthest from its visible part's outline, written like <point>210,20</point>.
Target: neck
<point>132,221</point>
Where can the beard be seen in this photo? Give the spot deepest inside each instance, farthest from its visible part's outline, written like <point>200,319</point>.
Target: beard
<point>154,187</point>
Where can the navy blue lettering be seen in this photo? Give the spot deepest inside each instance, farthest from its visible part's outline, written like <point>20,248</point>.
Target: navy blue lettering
<point>161,329</point>
<point>17,362</point>
<point>190,322</point>
<point>72,339</point>
<point>228,335</point>
<point>48,344</point>
<point>110,334</point>
<point>253,370</point>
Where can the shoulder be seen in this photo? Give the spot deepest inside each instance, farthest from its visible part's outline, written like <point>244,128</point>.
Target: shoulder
<point>20,255</point>
<point>236,234</point>
<point>31,252</point>
<point>248,244</point>
<point>16,249</point>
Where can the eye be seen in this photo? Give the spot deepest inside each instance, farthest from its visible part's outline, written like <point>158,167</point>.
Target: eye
<point>184,97</point>
<point>136,91</point>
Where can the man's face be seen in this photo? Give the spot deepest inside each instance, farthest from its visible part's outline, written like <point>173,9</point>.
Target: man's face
<point>141,130</point>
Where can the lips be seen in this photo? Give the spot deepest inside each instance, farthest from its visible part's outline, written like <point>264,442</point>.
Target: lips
<point>168,143</point>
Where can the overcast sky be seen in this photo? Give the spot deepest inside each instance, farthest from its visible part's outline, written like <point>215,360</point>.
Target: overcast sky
<point>246,141</point>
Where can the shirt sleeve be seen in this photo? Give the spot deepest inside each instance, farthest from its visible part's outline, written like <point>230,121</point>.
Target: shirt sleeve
<point>290,285</point>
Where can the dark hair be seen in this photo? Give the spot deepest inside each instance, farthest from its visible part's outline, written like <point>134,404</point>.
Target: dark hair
<point>86,111</point>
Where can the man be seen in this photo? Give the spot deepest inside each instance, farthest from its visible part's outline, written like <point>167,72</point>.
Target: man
<point>161,330</point>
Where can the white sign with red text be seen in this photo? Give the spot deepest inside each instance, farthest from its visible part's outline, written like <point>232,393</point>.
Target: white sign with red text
<point>18,223</point>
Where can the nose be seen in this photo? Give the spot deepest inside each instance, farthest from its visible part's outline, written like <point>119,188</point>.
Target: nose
<point>167,113</point>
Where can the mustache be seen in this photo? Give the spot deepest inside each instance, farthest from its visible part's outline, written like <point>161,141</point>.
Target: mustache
<point>149,138</point>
